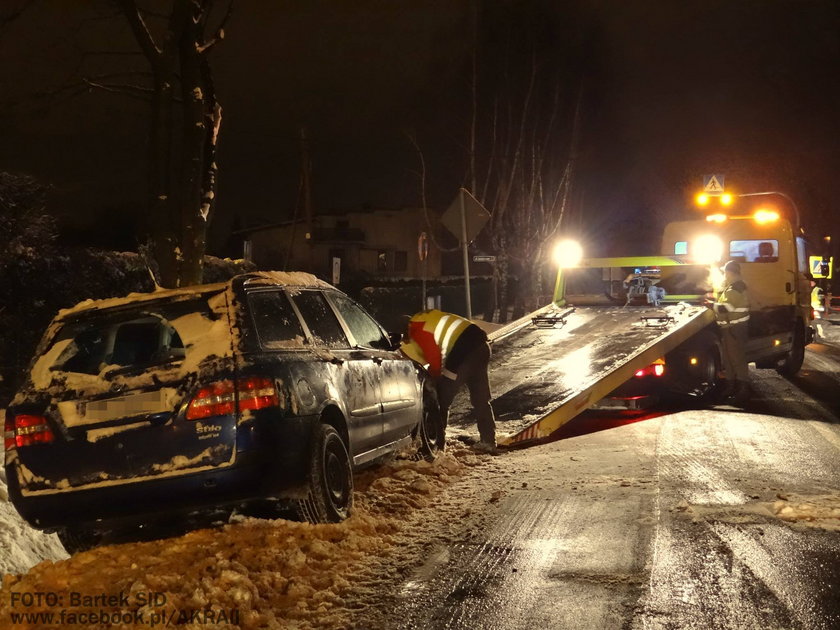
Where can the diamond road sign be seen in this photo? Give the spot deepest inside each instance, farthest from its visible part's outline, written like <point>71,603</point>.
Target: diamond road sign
<point>476,216</point>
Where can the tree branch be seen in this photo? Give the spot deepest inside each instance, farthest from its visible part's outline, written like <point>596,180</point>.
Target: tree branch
<point>134,91</point>
<point>220,30</point>
<point>141,31</point>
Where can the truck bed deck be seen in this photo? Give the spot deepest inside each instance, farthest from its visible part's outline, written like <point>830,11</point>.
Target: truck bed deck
<point>543,377</point>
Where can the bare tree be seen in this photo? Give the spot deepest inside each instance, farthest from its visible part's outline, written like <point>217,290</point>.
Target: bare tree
<point>528,172</point>
<point>523,142</point>
<point>184,127</point>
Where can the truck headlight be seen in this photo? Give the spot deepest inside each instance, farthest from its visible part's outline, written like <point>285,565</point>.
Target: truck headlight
<point>706,249</point>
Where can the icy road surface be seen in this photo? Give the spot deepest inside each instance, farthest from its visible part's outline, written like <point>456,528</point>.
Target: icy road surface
<point>714,518</point>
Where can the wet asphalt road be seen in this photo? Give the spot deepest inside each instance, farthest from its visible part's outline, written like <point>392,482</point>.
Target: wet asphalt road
<point>660,520</point>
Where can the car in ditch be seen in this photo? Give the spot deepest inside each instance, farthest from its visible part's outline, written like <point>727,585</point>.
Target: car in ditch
<point>271,387</point>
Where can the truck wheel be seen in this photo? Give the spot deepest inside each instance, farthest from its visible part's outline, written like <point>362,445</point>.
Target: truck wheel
<point>793,360</point>
<point>330,479</point>
<point>693,369</point>
<point>430,431</point>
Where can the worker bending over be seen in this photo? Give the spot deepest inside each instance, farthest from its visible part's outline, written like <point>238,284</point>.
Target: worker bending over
<point>457,354</point>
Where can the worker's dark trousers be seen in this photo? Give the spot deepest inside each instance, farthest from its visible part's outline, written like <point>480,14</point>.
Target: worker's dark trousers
<point>473,373</point>
<point>734,338</point>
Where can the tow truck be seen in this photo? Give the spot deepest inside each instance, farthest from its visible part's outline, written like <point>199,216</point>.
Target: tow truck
<point>615,318</point>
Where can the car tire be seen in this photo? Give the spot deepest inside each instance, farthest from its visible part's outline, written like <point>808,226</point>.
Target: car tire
<point>330,479</point>
<point>77,539</point>
<point>792,362</point>
<point>430,432</point>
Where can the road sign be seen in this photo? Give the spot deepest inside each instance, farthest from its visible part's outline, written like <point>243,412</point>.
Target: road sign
<point>422,246</point>
<point>488,259</point>
<point>475,214</point>
<point>464,218</point>
<point>336,270</point>
<point>713,183</point>
<point>820,267</point>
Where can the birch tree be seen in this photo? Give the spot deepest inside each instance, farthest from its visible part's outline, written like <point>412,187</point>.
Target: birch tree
<point>523,144</point>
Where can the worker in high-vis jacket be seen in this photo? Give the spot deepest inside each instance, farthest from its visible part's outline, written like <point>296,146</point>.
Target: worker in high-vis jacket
<point>456,353</point>
<point>732,310</point>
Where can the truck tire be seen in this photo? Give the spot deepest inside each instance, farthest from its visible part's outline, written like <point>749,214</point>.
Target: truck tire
<point>330,479</point>
<point>792,362</point>
<point>695,382</point>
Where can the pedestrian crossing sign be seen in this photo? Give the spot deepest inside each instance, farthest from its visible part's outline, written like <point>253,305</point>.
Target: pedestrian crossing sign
<point>713,183</point>
<point>821,267</point>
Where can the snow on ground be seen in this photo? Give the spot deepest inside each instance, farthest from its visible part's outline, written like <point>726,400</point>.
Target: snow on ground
<point>22,547</point>
<point>275,573</point>
<point>821,511</point>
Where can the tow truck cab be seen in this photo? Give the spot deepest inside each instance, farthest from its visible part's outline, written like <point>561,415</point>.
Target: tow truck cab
<point>774,260</point>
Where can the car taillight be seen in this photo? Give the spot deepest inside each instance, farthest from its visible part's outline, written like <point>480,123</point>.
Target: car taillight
<point>26,430</point>
<point>257,393</point>
<point>219,399</point>
<point>655,369</point>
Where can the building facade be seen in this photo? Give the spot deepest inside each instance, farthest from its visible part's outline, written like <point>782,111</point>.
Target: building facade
<point>383,243</point>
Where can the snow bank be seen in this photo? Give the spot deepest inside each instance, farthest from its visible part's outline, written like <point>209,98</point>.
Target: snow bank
<point>275,573</point>
<point>22,547</point>
<point>820,511</point>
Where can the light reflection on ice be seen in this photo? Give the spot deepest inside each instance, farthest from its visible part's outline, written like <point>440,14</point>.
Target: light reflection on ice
<point>575,367</point>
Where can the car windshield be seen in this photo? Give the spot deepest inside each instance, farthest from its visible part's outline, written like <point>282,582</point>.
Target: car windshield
<point>125,340</point>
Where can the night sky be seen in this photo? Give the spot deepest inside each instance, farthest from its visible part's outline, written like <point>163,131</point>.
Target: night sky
<point>672,90</point>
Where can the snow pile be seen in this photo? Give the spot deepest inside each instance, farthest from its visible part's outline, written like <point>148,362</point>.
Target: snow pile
<point>275,573</point>
<point>22,547</point>
<point>820,511</point>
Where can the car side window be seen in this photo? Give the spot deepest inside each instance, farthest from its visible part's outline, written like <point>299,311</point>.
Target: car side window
<point>275,320</point>
<point>365,330</point>
<point>319,317</point>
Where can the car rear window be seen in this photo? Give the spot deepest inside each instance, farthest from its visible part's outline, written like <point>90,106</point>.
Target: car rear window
<point>127,339</point>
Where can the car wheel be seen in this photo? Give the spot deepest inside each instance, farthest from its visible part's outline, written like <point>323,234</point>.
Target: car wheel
<point>76,539</point>
<point>330,479</point>
<point>794,359</point>
<point>430,432</point>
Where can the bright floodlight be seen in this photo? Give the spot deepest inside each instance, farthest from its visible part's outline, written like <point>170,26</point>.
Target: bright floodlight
<point>726,199</point>
<point>702,199</point>
<point>707,249</point>
<point>567,253</point>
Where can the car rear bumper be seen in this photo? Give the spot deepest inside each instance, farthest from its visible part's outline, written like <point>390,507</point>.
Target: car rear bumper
<point>273,470</point>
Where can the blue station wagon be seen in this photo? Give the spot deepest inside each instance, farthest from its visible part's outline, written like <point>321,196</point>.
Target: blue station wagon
<point>270,387</point>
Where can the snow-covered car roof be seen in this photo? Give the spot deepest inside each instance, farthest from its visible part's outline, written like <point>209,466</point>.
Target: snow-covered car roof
<point>271,278</point>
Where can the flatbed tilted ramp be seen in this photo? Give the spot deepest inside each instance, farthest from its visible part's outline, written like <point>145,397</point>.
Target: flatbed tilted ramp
<point>559,372</point>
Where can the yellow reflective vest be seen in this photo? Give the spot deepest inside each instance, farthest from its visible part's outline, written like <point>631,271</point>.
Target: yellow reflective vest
<point>432,335</point>
<point>733,305</point>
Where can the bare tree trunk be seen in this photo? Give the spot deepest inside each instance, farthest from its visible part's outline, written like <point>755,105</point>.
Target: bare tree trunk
<point>181,197</point>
